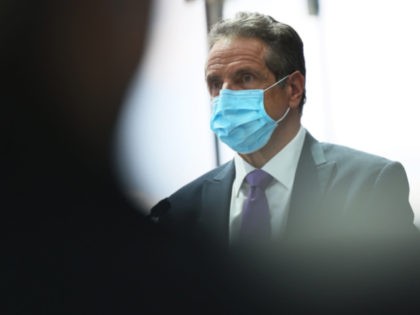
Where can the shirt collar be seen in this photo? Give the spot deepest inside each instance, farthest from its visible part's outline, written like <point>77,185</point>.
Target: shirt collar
<point>282,166</point>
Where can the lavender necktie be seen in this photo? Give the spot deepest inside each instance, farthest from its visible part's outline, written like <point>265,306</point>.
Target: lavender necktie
<point>255,213</point>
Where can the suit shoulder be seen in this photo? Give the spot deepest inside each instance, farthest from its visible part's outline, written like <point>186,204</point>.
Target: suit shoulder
<point>184,204</point>
<point>191,188</point>
<point>342,153</point>
<point>353,163</point>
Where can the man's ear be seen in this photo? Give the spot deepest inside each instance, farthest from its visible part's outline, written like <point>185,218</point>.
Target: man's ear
<point>296,85</point>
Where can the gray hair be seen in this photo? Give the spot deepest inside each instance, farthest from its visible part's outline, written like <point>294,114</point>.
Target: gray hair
<point>285,47</point>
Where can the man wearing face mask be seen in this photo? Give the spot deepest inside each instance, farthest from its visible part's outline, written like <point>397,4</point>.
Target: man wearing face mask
<point>282,186</point>
<point>255,74</point>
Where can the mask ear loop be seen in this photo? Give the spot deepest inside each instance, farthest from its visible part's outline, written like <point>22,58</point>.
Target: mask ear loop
<point>284,116</point>
<point>288,108</point>
<point>275,83</point>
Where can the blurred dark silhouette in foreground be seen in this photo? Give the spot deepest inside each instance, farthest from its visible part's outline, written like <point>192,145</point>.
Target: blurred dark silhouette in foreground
<point>72,242</point>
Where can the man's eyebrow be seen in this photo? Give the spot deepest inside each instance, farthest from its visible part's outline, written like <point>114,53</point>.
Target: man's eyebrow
<point>246,70</point>
<point>212,77</point>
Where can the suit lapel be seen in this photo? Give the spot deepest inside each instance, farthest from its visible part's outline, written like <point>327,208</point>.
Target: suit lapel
<point>312,178</point>
<point>216,195</point>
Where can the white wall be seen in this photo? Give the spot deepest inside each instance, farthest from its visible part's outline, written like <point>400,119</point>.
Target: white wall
<point>372,60</point>
<point>362,65</point>
<point>165,139</point>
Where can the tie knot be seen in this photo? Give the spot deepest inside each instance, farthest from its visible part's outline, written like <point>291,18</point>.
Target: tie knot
<point>258,178</point>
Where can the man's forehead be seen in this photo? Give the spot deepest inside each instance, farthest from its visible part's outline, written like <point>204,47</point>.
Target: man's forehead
<point>226,44</point>
<point>227,51</point>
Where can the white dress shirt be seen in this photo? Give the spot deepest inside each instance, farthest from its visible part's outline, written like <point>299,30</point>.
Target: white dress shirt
<point>282,167</point>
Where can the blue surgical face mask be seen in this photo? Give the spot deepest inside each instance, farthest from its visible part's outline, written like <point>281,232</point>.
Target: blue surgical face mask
<point>239,119</point>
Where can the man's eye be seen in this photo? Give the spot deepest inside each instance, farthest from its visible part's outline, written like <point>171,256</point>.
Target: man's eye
<point>247,78</point>
<point>215,85</point>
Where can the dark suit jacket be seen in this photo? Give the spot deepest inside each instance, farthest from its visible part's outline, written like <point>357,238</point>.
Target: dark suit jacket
<point>350,242</point>
<point>338,192</point>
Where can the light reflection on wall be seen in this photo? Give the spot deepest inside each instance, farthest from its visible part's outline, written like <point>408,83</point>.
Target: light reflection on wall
<point>165,140</point>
